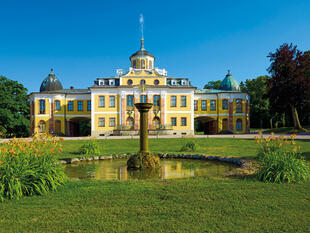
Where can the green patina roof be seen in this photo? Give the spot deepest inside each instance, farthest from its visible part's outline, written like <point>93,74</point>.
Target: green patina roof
<point>229,83</point>
<point>51,83</point>
<point>213,91</point>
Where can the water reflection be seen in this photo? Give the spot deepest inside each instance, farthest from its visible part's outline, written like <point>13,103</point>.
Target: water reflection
<point>169,169</point>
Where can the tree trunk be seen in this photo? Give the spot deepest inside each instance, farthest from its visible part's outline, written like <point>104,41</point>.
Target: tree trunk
<point>297,124</point>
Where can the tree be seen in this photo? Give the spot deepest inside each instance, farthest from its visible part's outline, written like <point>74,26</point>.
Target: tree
<point>289,86</point>
<point>14,109</point>
<point>259,105</point>
<point>213,85</point>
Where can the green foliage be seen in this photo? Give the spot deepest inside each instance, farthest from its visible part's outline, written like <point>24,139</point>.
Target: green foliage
<point>213,85</point>
<point>189,146</point>
<point>29,168</point>
<point>281,160</point>
<point>14,109</point>
<point>283,167</point>
<point>90,148</point>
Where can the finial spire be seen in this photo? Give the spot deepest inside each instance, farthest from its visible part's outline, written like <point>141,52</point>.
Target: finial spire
<point>228,72</point>
<point>141,27</point>
<point>52,70</point>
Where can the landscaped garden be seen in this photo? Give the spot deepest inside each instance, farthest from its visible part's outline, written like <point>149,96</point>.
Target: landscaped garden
<point>238,204</point>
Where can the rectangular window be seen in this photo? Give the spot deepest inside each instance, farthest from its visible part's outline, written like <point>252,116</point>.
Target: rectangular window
<point>70,106</point>
<point>156,100</point>
<point>143,99</point>
<point>42,106</point>
<point>195,105</point>
<point>80,105</point>
<point>203,105</point>
<point>183,101</point>
<point>224,104</point>
<point>112,101</point>
<point>183,121</point>
<point>212,105</point>
<point>88,105</point>
<point>57,105</point>
<point>129,100</point>
<point>112,122</point>
<point>101,101</point>
<point>173,121</point>
<point>173,101</point>
<point>239,106</point>
<point>101,122</point>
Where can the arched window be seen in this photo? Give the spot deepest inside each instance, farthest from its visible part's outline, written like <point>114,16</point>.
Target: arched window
<point>142,82</point>
<point>239,125</point>
<point>42,127</point>
<point>142,64</point>
<point>129,122</point>
<point>134,64</point>
<point>225,124</point>
<point>225,104</point>
<point>239,105</point>
<point>156,122</point>
<point>150,65</point>
<point>129,82</point>
<point>57,126</point>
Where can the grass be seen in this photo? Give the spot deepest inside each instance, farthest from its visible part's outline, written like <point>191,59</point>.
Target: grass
<point>198,204</point>
<point>212,146</point>
<point>181,205</point>
<point>281,130</point>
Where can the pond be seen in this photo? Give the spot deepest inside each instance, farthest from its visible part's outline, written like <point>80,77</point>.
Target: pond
<point>116,169</point>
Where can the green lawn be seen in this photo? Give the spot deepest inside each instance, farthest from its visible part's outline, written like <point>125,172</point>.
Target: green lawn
<point>211,146</point>
<point>181,205</point>
<point>199,204</point>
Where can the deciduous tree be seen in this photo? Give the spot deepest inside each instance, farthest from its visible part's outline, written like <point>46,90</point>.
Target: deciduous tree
<point>289,86</point>
<point>14,109</point>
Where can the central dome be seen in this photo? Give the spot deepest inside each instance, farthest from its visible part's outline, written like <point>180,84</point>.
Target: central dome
<point>142,59</point>
<point>51,83</point>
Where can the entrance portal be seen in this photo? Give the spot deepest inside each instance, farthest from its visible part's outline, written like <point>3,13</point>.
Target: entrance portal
<point>207,125</point>
<point>78,126</point>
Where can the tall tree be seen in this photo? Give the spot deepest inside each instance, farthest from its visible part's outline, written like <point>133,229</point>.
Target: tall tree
<point>213,85</point>
<point>259,105</point>
<point>14,108</point>
<point>289,86</point>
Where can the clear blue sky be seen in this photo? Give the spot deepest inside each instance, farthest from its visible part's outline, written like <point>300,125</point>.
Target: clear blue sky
<point>200,40</point>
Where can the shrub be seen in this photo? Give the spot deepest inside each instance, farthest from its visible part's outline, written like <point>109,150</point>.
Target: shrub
<point>189,146</point>
<point>90,148</point>
<point>28,168</point>
<point>281,160</point>
<point>283,167</point>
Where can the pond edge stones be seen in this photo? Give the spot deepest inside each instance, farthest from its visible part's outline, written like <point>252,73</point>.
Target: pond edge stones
<point>242,163</point>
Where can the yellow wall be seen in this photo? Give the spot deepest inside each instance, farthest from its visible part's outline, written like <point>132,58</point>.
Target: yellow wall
<point>106,107</point>
<point>107,117</point>
<point>178,102</point>
<point>178,116</point>
<point>148,80</point>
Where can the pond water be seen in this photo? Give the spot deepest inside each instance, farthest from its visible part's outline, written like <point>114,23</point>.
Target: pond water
<point>116,169</point>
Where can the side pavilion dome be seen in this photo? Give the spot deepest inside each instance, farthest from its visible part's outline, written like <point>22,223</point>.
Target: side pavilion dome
<point>51,83</point>
<point>229,83</point>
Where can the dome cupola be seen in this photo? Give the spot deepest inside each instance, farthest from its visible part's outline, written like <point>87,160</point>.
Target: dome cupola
<point>229,83</point>
<point>51,83</point>
<point>142,59</point>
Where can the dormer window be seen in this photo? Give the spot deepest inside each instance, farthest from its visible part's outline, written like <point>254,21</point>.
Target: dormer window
<point>134,64</point>
<point>111,82</point>
<point>173,82</point>
<point>183,82</point>
<point>101,83</point>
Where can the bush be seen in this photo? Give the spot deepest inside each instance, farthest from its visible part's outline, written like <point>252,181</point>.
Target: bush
<point>190,146</point>
<point>281,160</point>
<point>28,168</point>
<point>283,167</point>
<point>90,148</point>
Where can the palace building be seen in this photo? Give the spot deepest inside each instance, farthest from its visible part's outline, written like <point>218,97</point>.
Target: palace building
<point>107,107</point>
